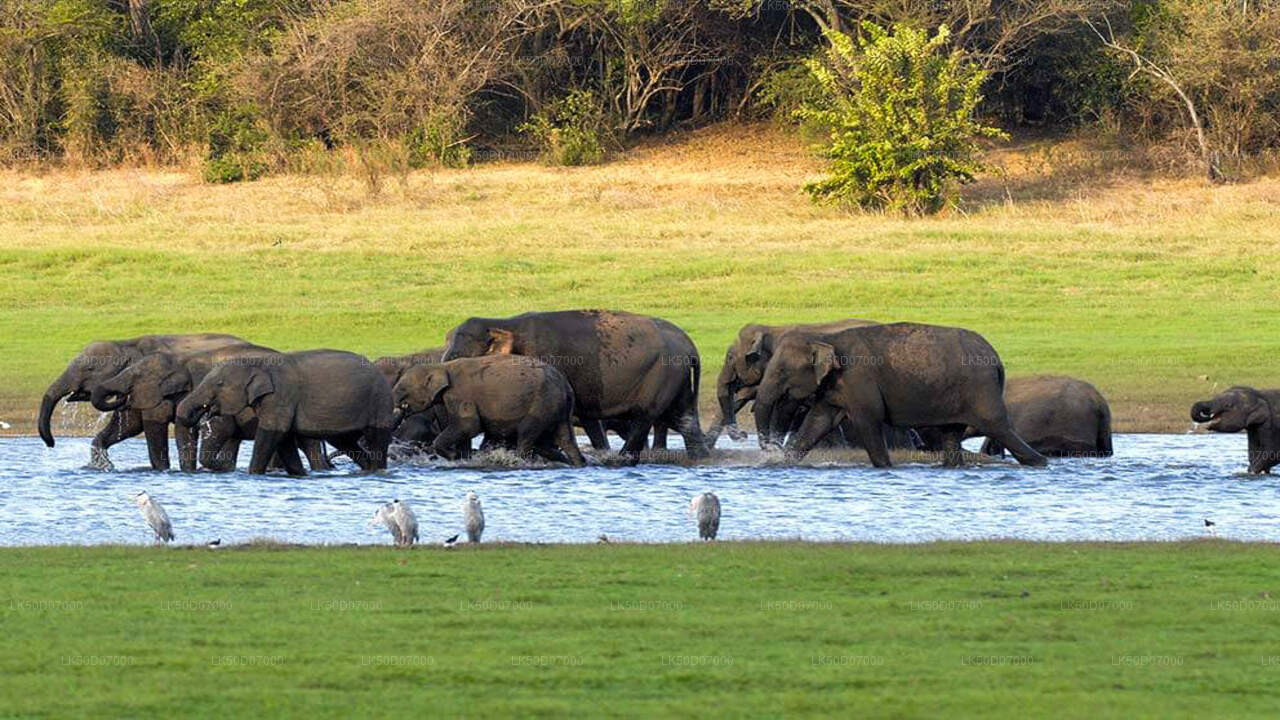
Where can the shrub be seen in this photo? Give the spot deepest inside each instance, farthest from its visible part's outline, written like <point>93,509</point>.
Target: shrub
<point>571,131</point>
<point>900,111</point>
<point>237,148</point>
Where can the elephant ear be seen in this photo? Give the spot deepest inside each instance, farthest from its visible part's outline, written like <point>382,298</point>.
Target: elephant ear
<point>755,349</point>
<point>501,341</point>
<point>260,384</point>
<point>437,382</point>
<point>178,381</point>
<point>824,360</point>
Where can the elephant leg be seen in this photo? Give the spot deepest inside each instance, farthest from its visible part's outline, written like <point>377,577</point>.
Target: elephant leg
<point>349,445</point>
<point>122,425</point>
<point>157,434</point>
<point>815,426</point>
<point>660,436</point>
<point>188,446</point>
<point>265,443</point>
<point>448,444</point>
<point>992,447</point>
<point>1020,450</point>
<point>596,434</point>
<point>952,454</point>
<point>637,437</point>
<point>317,458</point>
<point>287,455</point>
<point>563,438</point>
<point>377,441</point>
<point>870,434</point>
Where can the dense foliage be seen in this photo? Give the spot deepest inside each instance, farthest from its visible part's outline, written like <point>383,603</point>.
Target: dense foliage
<point>900,110</point>
<point>248,86</point>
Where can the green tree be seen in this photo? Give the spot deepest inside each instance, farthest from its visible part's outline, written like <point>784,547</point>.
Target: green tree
<point>900,109</point>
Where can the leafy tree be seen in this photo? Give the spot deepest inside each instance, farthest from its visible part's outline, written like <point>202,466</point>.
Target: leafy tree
<point>900,110</point>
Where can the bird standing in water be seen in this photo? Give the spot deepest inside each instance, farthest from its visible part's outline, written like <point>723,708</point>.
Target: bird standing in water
<point>705,508</point>
<point>155,516</point>
<point>473,517</point>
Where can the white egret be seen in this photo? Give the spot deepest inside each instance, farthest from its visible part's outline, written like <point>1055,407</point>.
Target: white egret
<point>706,509</point>
<point>155,516</point>
<point>473,516</point>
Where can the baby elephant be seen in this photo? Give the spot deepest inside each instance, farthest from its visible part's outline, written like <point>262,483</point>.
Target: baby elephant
<point>513,397</point>
<point>330,395</point>
<point>1254,411</point>
<point>1057,416</point>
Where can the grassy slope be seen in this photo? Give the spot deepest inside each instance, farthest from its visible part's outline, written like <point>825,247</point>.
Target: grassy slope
<point>990,629</point>
<point>1155,290</point>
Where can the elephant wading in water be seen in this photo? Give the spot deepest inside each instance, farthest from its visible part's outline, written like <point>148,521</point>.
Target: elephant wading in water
<point>523,401</point>
<point>901,374</point>
<point>744,365</point>
<point>418,431</point>
<point>329,395</point>
<point>155,384</point>
<point>621,366</point>
<point>1056,416</point>
<point>102,360</point>
<point>1254,411</point>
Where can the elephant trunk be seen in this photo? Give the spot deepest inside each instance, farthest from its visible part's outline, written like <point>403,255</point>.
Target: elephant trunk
<point>397,417</point>
<point>191,408</point>
<point>766,403</point>
<point>60,388</point>
<point>1202,411</point>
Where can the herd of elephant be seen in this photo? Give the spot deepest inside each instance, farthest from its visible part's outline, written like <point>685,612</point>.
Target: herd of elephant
<point>524,382</point>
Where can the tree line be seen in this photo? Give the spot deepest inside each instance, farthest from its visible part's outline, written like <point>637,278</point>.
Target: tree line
<point>248,87</point>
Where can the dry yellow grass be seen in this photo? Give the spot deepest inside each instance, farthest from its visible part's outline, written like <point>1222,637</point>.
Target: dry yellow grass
<point>1156,289</point>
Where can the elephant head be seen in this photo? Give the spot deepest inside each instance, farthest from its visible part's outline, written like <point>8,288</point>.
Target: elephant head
<point>230,388</point>
<point>479,336</point>
<point>143,384</point>
<point>421,387</point>
<point>799,366</point>
<point>1233,410</point>
<point>743,369</point>
<point>98,362</point>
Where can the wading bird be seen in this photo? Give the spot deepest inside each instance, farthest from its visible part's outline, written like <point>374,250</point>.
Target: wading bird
<point>155,516</point>
<point>400,520</point>
<point>706,509</point>
<point>1211,526</point>
<point>473,516</point>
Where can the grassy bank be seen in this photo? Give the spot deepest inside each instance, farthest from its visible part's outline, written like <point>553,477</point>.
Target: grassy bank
<point>1156,290</point>
<point>951,629</point>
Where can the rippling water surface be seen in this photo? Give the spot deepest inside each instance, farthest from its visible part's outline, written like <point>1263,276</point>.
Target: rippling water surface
<point>1156,487</point>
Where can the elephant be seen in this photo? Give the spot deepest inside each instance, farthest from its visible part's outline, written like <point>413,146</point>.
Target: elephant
<point>1057,416</point>
<point>621,366</point>
<point>520,399</point>
<point>329,395</point>
<point>1249,409</point>
<point>744,365</point>
<point>101,360</point>
<point>906,375</point>
<point>155,384</point>
<point>420,430</point>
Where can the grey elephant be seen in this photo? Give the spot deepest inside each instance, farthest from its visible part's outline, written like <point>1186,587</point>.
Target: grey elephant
<point>330,395</point>
<point>1056,416</point>
<point>621,366</point>
<point>155,384</point>
<point>1251,410</point>
<point>744,365</point>
<point>522,400</point>
<point>415,433</point>
<point>101,360</point>
<point>902,374</point>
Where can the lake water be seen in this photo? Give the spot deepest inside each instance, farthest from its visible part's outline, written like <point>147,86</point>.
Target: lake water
<point>1156,487</point>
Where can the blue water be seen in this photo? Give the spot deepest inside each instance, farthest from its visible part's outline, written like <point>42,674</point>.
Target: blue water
<point>1157,487</point>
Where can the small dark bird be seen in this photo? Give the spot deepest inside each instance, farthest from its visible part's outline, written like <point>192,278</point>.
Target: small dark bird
<point>1210,526</point>
<point>451,541</point>
<point>603,538</point>
<point>213,544</point>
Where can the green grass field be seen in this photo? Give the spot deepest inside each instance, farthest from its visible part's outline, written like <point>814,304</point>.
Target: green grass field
<point>1156,290</point>
<point>731,629</point>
